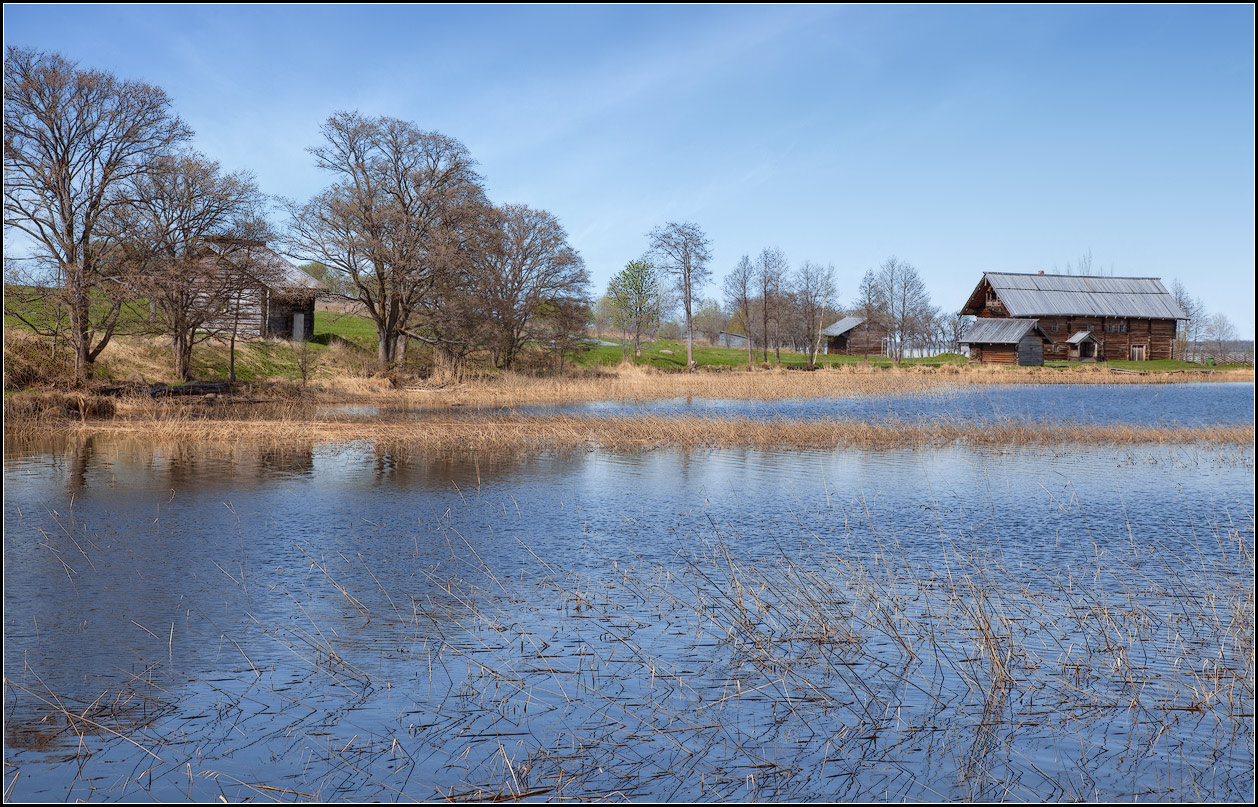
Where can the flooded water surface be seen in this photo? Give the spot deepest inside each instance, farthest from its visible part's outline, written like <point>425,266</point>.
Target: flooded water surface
<point>190,621</point>
<point>1194,404</point>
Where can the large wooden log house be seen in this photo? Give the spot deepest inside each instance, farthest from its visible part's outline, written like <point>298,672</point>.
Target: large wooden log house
<point>1077,318</point>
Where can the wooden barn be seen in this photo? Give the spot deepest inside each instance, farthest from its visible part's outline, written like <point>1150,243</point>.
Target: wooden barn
<point>855,336</point>
<point>1006,341</point>
<point>279,300</point>
<point>1081,318</point>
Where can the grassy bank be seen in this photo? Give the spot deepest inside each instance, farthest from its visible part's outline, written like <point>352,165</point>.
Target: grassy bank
<point>344,348</point>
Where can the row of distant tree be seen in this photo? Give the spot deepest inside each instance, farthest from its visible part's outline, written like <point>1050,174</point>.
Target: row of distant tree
<point>1204,335</point>
<point>776,307</point>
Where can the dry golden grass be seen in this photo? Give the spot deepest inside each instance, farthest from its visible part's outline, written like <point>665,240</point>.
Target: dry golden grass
<point>644,383</point>
<point>513,433</point>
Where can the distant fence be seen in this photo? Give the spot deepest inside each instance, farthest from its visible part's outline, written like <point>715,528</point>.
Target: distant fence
<point>929,352</point>
<point>1233,352</point>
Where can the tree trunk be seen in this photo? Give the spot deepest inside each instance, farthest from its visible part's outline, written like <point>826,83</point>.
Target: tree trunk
<point>181,346</point>
<point>399,351</point>
<point>81,336</point>
<point>384,349</point>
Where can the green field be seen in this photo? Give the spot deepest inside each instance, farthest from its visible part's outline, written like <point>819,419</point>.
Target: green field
<point>346,332</point>
<point>653,354</point>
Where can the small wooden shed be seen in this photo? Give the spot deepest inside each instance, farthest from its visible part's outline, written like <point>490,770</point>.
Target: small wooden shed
<point>279,302</point>
<point>854,336</point>
<point>1006,341</point>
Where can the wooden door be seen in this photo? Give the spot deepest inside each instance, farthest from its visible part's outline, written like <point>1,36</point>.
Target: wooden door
<point>1137,352</point>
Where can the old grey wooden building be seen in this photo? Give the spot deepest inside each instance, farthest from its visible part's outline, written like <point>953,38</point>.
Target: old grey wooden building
<point>855,336</point>
<point>1079,318</point>
<point>277,300</point>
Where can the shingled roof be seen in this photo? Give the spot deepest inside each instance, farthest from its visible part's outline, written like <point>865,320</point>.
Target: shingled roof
<point>1075,295</point>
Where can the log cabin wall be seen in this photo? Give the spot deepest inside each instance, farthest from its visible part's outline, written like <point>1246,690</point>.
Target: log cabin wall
<point>863,340</point>
<point>994,354</point>
<point>1115,336</point>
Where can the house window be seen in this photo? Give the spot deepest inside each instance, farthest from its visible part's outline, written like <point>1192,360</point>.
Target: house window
<point>1054,327</point>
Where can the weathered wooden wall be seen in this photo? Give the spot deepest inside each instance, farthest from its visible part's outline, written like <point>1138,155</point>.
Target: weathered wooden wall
<point>994,354</point>
<point>863,340</point>
<point>1157,335</point>
<point>1031,350</point>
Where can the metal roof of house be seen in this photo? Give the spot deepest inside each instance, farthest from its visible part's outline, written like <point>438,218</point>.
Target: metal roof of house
<point>1080,336</point>
<point>998,331</point>
<point>1083,295</point>
<point>842,326</point>
<point>271,269</point>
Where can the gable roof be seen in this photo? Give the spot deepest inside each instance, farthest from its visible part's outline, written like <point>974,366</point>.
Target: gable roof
<point>842,326</point>
<point>270,268</point>
<point>1037,295</point>
<point>998,331</point>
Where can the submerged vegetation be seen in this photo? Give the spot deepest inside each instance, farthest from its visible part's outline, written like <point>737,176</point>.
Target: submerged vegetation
<point>849,655</point>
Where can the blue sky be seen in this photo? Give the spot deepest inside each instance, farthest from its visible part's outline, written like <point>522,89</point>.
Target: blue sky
<point>961,139</point>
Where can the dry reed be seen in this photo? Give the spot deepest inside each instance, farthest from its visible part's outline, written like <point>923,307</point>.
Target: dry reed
<point>520,432</point>
<point>849,380</point>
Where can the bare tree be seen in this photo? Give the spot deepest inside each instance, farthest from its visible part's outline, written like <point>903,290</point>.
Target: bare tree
<point>1085,267</point>
<point>190,230</point>
<point>954,327</point>
<point>710,320</point>
<point>739,293</point>
<point>816,298</point>
<point>771,269</point>
<point>908,307</point>
<point>1188,332</point>
<point>529,271</point>
<point>603,315</point>
<point>73,138</point>
<point>871,305</point>
<point>683,251</point>
<point>391,220</point>
<point>561,326</point>
<point>1220,333</point>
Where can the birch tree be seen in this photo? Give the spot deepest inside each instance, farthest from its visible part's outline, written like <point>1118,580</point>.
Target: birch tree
<point>682,250</point>
<point>635,299</point>
<point>771,269</point>
<point>907,302</point>
<point>739,290</point>
<point>816,295</point>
